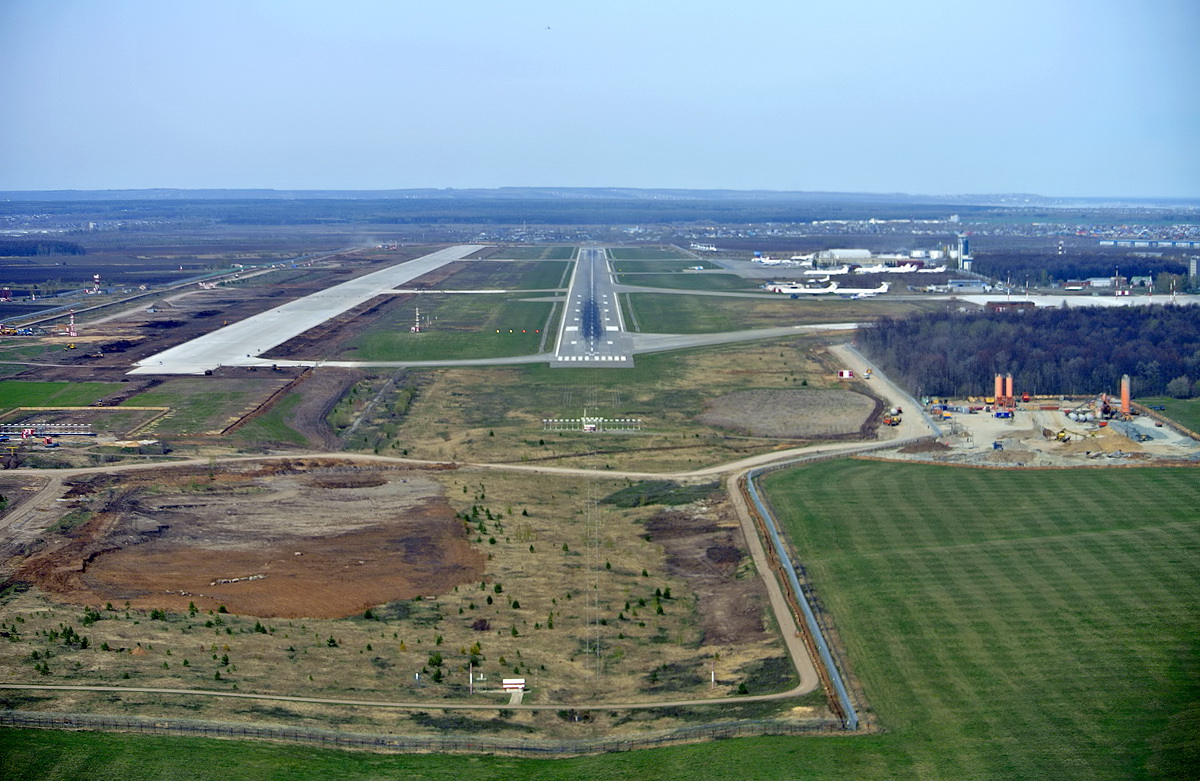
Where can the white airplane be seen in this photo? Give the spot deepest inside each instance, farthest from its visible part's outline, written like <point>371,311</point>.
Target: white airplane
<point>907,268</point>
<point>937,270</point>
<point>798,290</point>
<point>833,271</point>
<point>859,292</point>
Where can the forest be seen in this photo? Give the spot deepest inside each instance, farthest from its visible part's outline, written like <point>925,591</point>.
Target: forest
<point>28,248</point>
<point>1055,351</point>
<point>1045,268</point>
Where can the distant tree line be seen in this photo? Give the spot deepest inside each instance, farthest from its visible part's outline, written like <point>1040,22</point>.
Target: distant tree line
<point>1048,351</point>
<point>28,248</point>
<point>449,209</point>
<point>1044,268</point>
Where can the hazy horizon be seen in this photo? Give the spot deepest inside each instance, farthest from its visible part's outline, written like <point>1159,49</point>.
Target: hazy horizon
<point>1060,99</point>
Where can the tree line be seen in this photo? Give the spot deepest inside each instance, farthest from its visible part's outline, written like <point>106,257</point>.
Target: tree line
<point>1048,351</point>
<point>28,248</point>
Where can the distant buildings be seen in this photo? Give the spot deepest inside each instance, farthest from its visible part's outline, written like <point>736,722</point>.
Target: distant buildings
<point>844,254</point>
<point>1010,306</point>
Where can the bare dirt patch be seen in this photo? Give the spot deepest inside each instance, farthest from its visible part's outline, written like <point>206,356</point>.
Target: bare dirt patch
<point>704,545</point>
<point>281,545</point>
<point>926,447</point>
<point>797,413</point>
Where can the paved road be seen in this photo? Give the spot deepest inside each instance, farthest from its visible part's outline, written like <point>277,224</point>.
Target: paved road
<point>592,332</point>
<point>240,343</point>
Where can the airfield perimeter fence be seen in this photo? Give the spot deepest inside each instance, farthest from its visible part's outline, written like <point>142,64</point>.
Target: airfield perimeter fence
<point>414,743</point>
<point>832,670</point>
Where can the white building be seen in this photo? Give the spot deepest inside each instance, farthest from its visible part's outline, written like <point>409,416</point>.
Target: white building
<point>845,254</point>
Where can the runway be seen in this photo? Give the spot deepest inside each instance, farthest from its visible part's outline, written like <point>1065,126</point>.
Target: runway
<point>241,343</point>
<point>592,332</point>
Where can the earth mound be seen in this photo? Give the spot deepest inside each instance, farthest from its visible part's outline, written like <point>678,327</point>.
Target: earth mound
<point>791,414</point>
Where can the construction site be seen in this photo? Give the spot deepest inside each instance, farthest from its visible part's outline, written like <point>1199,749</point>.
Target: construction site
<point>1019,429</point>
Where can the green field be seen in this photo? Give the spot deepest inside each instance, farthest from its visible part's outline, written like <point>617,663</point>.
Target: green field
<point>1012,624</point>
<point>718,282</point>
<point>272,425</point>
<point>462,326</point>
<point>35,754</point>
<point>20,351</point>
<point>202,405</point>
<point>509,275</point>
<point>17,393</point>
<point>1185,412</point>
<point>659,266</point>
<point>646,253</point>
<point>683,314</point>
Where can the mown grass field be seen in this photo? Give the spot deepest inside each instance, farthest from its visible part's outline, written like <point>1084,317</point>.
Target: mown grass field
<point>1012,624</point>
<point>719,282</point>
<point>1185,412</point>
<point>684,314</point>
<point>18,393</point>
<point>201,405</point>
<point>645,253</point>
<point>659,266</point>
<point>272,425</point>
<point>34,754</point>
<point>461,326</point>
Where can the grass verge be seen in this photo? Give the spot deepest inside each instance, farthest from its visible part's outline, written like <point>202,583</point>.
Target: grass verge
<point>1185,412</point>
<point>18,393</point>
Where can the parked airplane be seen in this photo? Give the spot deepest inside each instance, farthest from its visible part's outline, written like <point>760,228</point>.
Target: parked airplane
<point>798,290</point>
<point>937,270</point>
<point>834,271</point>
<point>859,292</point>
<point>907,268</point>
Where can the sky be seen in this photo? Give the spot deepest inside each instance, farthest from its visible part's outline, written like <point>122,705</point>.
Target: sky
<point>1054,97</point>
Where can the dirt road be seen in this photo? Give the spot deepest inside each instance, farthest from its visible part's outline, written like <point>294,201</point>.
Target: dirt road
<point>19,521</point>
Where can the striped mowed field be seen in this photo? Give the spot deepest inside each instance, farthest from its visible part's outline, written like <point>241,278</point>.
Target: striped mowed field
<point>1010,623</point>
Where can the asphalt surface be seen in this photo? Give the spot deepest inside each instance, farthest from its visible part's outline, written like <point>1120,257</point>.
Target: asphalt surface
<point>592,332</point>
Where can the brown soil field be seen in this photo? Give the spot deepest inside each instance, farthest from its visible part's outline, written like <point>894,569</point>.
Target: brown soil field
<point>271,545</point>
<point>790,413</point>
<point>509,576</point>
<point>704,546</point>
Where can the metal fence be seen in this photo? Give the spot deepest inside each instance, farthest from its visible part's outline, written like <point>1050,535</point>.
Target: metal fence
<point>413,743</point>
<point>802,595</point>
